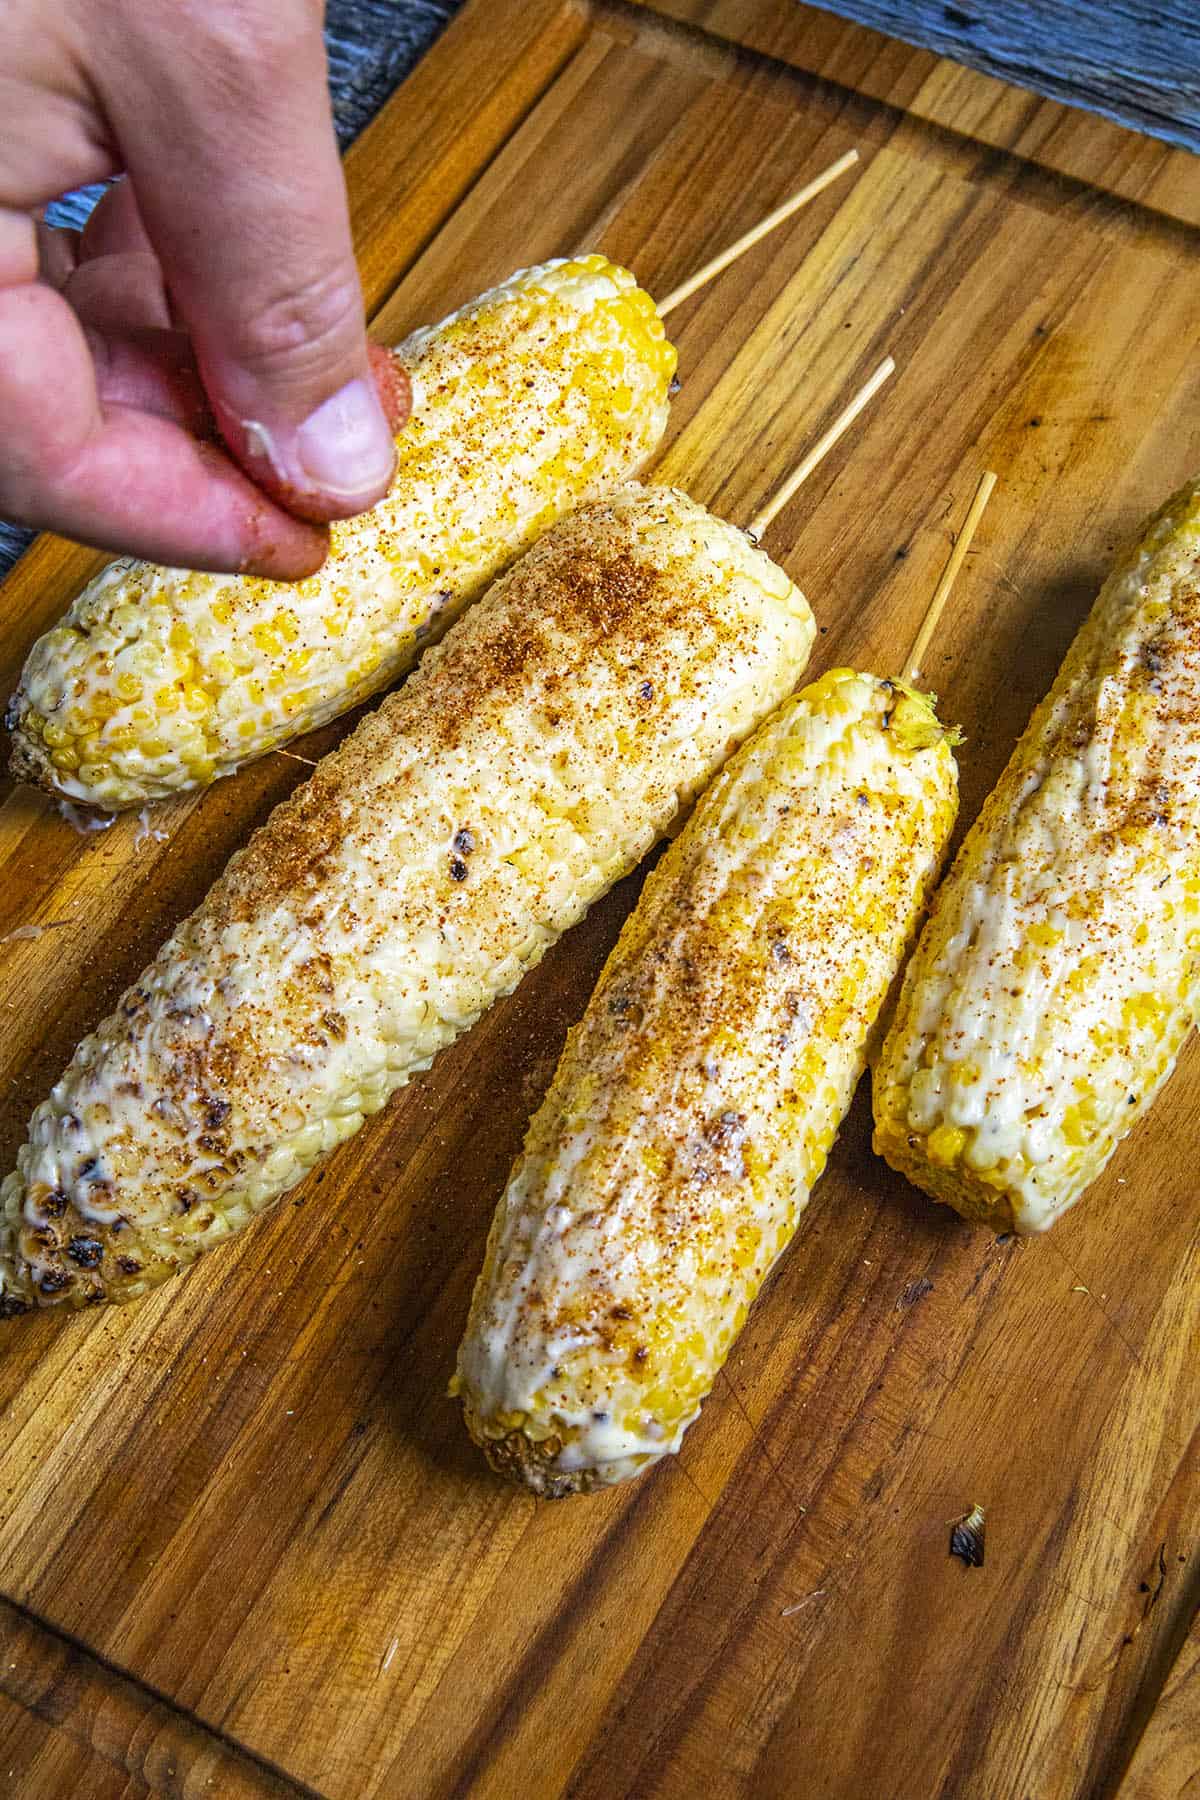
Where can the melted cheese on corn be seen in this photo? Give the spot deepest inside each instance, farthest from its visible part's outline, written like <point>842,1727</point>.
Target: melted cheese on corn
<point>533,399</point>
<point>695,1105</point>
<point>533,759</point>
<point>1059,974</point>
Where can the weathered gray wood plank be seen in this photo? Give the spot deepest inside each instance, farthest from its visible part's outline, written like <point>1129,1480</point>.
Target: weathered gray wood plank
<point>1135,61</point>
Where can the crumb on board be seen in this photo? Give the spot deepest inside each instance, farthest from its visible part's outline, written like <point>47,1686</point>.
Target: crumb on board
<point>966,1538</point>
<point>27,933</point>
<point>787,1611</point>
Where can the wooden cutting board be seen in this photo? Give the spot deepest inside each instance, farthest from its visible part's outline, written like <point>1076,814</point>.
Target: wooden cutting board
<point>246,1547</point>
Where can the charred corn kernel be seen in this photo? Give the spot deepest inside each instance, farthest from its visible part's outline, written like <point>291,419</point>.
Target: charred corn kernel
<point>694,1105</point>
<point>504,439</point>
<point>1060,960</point>
<point>411,881</point>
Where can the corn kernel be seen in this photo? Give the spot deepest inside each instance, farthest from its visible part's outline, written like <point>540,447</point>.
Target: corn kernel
<point>599,364</point>
<point>946,1145</point>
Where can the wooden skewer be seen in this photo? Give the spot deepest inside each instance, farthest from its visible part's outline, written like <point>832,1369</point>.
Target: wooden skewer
<point>756,233</point>
<point>824,444</point>
<point>954,563</point>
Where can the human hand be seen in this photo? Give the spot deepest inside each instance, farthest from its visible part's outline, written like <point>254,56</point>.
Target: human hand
<point>214,285</point>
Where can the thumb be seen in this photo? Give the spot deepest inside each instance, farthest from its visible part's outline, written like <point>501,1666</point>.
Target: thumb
<point>226,132</point>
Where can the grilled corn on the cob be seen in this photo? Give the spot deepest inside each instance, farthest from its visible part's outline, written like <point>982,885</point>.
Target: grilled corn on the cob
<point>535,756</point>
<point>535,398</point>
<point>695,1105</point>
<point>1058,974</point>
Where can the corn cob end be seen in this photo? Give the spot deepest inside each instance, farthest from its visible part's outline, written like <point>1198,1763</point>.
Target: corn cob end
<point>28,761</point>
<point>530,1463</point>
<point>968,1194</point>
<point>14,1301</point>
<point>16,1288</point>
<point>53,1254</point>
<point>533,1464</point>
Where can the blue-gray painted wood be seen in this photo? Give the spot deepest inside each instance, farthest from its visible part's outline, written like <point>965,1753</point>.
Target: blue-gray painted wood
<point>1136,61</point>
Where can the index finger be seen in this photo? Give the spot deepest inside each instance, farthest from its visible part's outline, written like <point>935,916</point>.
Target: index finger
<point>117,476</point>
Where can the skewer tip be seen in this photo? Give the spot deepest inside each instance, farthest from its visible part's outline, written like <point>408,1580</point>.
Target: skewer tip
<point>824,444</point>
<point>755,235</point>
<point>954,562</point>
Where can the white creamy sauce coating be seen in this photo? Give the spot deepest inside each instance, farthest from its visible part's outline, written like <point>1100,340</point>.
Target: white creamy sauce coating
<point>1074,953</point>
<point>84,822</point>
<point>501,441</point>
<point>293,1014</point>
<point>585,1224</point>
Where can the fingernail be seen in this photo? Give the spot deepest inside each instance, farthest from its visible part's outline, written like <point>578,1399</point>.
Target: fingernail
<point>392,385</point>
<point>345,447</point>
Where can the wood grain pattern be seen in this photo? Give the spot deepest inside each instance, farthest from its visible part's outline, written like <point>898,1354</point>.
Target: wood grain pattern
<point>248,1494</point>
<point>823,48</point>
<point>1166,1763</point>
<point>71,1725</point>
